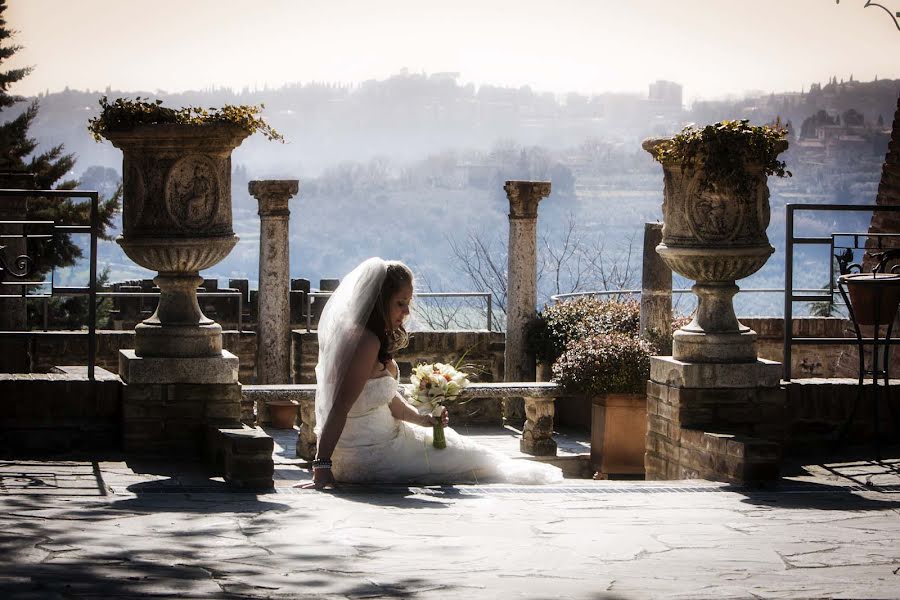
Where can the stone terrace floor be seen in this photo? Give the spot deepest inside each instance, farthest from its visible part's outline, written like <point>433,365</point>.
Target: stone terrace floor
<point>103,527</point>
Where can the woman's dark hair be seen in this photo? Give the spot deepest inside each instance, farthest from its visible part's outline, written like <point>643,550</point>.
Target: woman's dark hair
<point>398,276</point>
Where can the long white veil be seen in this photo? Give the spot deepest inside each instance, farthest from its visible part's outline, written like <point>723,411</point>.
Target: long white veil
<point>341,328</point>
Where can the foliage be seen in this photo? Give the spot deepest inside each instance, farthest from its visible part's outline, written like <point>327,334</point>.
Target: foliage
<point>71,312</point>
<point>606,363</point>
<point>562,323</point>
<point>48,170</point>
<point>724,150</point>
<point>124,114</point>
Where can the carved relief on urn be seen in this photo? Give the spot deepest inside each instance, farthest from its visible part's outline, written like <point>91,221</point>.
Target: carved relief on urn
<point>714,232</point>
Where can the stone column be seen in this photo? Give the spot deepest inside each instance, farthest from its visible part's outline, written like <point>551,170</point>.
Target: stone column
<point>521,290</point>
<point>656,290</point>
<point>273,359</point>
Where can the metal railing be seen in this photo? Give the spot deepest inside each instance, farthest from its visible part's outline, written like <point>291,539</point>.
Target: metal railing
<point>62,229</point>
<point>486,295</point>
<point>558,297</point>
<point>45,298</point>
<point>789,293</point>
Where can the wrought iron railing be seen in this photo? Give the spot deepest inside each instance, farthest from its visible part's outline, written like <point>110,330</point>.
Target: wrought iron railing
<point>489,316</point>
<point>25,265</point>
<point>835,242</point>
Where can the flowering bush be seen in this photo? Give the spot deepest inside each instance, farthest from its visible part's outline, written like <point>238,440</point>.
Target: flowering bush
<point>605,363</point>
<point>561,323</point>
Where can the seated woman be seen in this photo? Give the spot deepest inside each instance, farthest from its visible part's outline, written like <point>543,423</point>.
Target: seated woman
<point>367,431</point>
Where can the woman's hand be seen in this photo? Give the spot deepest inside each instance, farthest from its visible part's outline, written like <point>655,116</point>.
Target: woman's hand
<point>430,420</point>
<point>323,479</point>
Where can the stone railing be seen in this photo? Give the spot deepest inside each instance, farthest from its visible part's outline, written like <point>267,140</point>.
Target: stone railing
<point>537,435</point>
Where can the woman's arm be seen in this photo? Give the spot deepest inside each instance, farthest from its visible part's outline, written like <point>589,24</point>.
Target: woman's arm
<point>401,410</point>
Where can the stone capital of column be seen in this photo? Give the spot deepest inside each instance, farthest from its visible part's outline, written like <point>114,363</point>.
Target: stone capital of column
<point>273,195</point>
<point>524,196</point>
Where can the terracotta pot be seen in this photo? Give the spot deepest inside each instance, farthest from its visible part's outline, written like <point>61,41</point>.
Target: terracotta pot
<point>618,434</point>
<point>282,413</point>
<point>874,297</point>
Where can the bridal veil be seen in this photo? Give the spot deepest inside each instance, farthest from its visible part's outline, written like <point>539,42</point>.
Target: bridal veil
<point>341,328</point>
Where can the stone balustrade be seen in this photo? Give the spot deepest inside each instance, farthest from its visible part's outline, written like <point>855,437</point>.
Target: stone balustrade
<point>537,436</point>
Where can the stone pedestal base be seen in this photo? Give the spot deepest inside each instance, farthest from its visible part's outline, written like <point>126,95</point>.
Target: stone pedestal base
<point>181,341</point>
<point>703,347</point>
<point>714,421</point>
<point>170,405</point>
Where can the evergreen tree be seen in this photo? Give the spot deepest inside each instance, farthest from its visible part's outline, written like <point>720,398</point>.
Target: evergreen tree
<point>51,169</point>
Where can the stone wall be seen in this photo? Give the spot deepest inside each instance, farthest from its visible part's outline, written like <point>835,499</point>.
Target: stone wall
<point>739,434</point>
<point>40,351</point>
<point>806,361</point>
<point>59,412</point>
<point>483,352</point>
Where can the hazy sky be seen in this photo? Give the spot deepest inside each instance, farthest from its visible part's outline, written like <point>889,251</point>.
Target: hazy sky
<point>712,47</point>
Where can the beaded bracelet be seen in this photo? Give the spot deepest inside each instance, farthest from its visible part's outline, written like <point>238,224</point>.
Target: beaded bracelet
<point>321,463</point>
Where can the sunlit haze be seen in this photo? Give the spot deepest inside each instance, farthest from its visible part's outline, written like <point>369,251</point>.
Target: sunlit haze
<point>713,48</point>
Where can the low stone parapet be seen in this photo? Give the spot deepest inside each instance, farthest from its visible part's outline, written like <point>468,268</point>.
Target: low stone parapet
<point>537,437</point>
<point>60,411</point>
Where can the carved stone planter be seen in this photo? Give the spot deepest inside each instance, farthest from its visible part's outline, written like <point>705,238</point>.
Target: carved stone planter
<point>714,236</point>
<point>177,221</point>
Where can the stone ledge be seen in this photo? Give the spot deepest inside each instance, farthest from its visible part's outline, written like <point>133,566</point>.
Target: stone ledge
<point>198,370</point>
<point>668,371</point>
<point>541,391</point>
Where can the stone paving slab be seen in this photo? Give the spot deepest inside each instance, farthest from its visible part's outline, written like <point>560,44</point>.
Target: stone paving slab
<point>114,528</point>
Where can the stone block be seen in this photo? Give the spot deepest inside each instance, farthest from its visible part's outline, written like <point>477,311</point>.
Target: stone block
<point>674,373</point>
<point>247,441</point>
<point>203,370</point>
<point>222,410</point>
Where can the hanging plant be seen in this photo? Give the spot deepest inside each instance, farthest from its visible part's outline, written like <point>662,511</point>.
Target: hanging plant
<point>124,114</point>
<point>724,150</point>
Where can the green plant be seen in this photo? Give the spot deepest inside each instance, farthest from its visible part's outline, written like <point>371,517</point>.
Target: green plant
<point>724,150</point>
<point>124,114</point>
<point>559,324</point>
<point>606,363</point>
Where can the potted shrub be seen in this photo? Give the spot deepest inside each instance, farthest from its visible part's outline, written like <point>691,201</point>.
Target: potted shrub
<point>176,217</point>
<point>562,323</point>
<point>611,369</point>
<point>715,213</point>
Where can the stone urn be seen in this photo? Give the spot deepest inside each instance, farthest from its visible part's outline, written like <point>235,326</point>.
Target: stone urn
<point>177,221</point>
<point>714,234</point>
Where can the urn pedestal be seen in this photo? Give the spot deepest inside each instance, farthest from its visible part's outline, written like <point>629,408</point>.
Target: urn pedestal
<point>181,387</point>
<point>713,406</point>
<point>714,234</point>
<point>177,221</point>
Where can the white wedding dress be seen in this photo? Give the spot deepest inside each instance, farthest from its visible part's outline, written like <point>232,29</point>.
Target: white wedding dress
<point>376,447</point>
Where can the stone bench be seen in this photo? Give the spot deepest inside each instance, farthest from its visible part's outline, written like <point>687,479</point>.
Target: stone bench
<point>537,436</point>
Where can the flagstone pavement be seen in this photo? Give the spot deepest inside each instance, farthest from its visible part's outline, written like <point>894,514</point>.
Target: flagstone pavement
<point>102,527</point>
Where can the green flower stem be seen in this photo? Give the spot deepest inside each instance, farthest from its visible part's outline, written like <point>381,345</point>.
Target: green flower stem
<point>438,434</point>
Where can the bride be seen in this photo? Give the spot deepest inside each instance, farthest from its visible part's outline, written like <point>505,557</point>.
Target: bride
<point>367,431</point>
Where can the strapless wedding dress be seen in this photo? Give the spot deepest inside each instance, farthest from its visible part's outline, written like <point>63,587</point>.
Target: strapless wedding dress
<point>376,447</point>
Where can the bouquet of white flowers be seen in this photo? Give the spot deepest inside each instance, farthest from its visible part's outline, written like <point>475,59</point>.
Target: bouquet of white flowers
<point>432,386</point>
